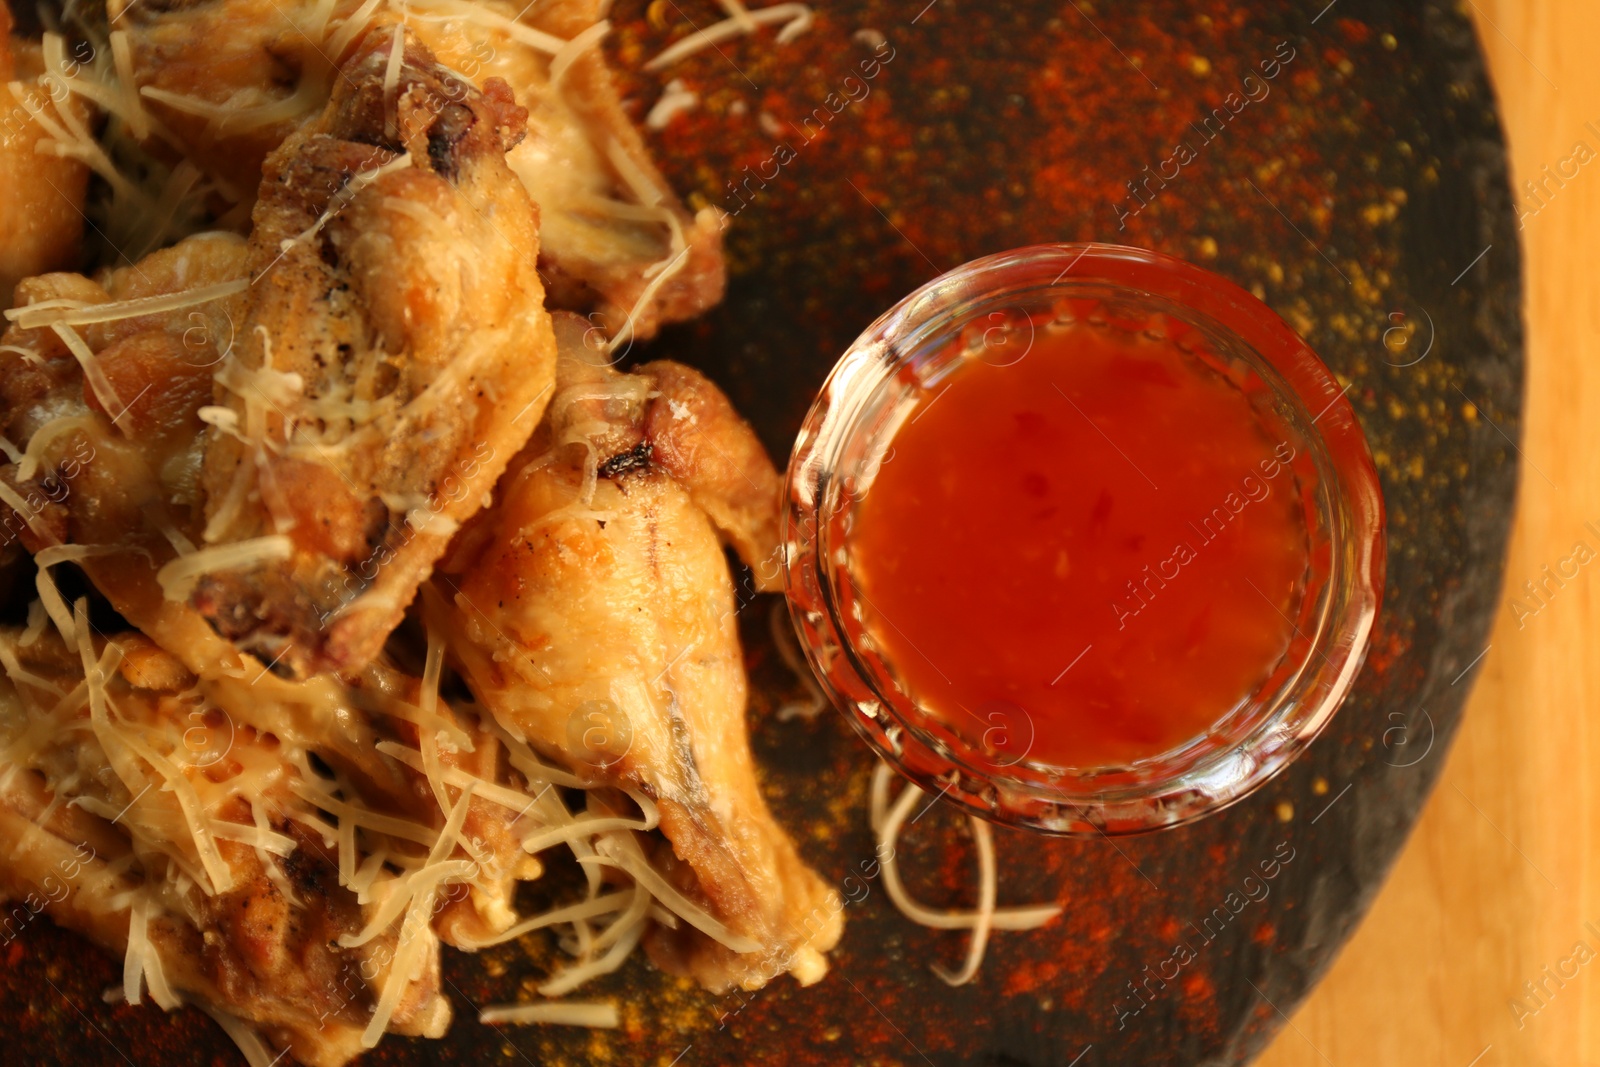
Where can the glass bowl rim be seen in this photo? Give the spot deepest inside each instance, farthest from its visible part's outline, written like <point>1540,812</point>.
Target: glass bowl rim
<point>1355,499</point>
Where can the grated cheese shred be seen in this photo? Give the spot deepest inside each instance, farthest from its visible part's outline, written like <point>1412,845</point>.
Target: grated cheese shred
<point>422,887</point>
<point>76,313</point>
<point>593,1014</point>
<point>570,52</point>
<point>93,373</point>
<point>178,576</point>
<point>887,820</point>
<point>797,19</point>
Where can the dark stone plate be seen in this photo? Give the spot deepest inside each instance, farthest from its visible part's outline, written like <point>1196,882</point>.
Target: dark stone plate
<point>1362,192</point>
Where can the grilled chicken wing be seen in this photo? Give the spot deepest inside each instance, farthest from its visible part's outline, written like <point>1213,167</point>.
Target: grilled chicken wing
<point>594,615</point>
<point>393,354</point>
<point>41,191</point>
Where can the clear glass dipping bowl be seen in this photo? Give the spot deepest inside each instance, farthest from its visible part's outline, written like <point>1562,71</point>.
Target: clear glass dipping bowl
<point>989,309</point>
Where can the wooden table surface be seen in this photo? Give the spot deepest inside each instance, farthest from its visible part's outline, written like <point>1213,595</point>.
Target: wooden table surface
<point>1483,948</point>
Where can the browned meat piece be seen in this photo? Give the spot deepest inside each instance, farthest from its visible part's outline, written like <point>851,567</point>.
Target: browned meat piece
<point>233,78</point>
<point>583,158</point>
<point>177,837</point>
<point>597,586</point>
<point>118,497</point>
<point>393,354</point>
<point>41,192</point>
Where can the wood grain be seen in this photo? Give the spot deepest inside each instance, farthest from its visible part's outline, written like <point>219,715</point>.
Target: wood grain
<point>1500,879</point>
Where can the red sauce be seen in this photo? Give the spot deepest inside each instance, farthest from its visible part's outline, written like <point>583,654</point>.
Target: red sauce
<point>1085,557</point>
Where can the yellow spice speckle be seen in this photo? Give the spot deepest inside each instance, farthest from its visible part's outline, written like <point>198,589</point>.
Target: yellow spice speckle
<point>1199,66</point>
<point>1320,786</point>
<point>1285,811</point>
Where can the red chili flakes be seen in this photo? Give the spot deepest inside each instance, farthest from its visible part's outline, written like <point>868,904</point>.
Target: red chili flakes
<point>1355,32</point>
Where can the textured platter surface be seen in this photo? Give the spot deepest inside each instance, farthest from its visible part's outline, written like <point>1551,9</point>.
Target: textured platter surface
<point>1360,189</point>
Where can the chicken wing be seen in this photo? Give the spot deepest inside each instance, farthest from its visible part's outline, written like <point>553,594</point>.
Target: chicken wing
<point>113,488</point>
<point>593,614</point>
<point>233,78</point>
<point>41,191</point>
<point>622,247</point>
<point>136,813</point>
<point>393,354</point>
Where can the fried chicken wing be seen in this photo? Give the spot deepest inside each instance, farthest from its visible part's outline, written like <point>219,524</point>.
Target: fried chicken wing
<point>118,496</point>
<point>598,586</point>
<point>41,190</point>
<point>151,822</point>
<point>622,247</point>
<point>233,78</point>
<point>393,354</point>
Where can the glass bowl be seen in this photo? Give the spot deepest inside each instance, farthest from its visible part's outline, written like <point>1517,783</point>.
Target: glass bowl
<point>991,309</point>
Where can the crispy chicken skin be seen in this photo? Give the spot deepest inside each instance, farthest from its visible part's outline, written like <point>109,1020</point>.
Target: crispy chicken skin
<point>41,192</point>
<point>119,465</point>
<point>124,488</point>
<point>622,604</point>
<point>601,262</point>
<point>393,354</point>
<point>253,932</point>
<point>609,221</point>
<point>259,483</point>
<point>262,59</point>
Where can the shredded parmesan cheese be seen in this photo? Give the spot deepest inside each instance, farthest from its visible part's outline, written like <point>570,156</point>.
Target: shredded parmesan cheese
<point>141,965</point>
<point>480,14</point>
<point>588,909</point>
<point>391,82</point>
<point>93,373</point>
<point>340,200</point>
<point>647,294</point>
<point>487,790</point>
<point>236,116</point>
<point>242,1034</point>
<point>422,888</point>
<point>797,17</point>
<point>429,702</point>
<point>54,604</point>
<point>75,313</point>
<point>676,99</point>
<point>355,815</point>
<point>887,821</point>
<point>623,852</point>
<point>624,932</point>
<point>14,500</point>
<point>178,577</point>
<point>739,13</point>
<point>133,108</point>
<point>39,445</point>
<point>556,1013</point>
<point>575,48</point>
